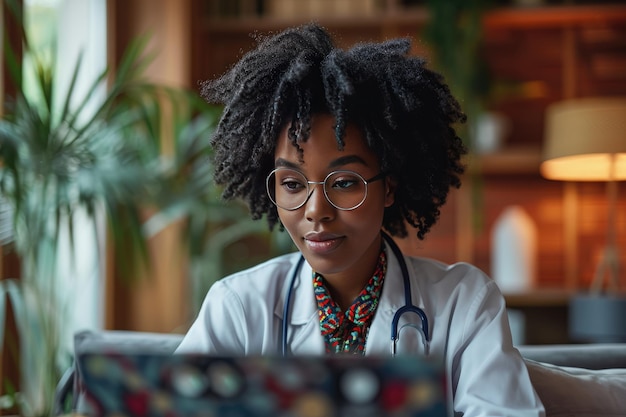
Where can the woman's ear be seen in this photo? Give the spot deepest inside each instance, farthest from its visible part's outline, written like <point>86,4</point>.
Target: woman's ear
<point>390,190</point>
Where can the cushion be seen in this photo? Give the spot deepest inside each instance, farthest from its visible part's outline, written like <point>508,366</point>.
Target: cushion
<point>590,356</point>
<point>578,392</point>
<point>125,341</point>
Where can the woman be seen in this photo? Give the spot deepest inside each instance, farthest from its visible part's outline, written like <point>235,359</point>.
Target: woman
<point>341,148</point>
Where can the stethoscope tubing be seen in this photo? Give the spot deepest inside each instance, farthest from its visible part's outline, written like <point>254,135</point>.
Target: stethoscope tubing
<point>286,309</point>
<point>408,306</point>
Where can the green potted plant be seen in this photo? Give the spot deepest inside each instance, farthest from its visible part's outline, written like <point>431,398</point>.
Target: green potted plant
<point>455,33</point>
<point>60,158</point>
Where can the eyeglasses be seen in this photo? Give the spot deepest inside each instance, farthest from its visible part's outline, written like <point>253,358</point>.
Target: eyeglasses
<point>290,189</point>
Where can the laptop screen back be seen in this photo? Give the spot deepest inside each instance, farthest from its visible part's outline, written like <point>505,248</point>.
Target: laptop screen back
<point>117,384</point>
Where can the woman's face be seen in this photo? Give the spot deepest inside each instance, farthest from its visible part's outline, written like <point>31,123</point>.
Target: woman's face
<point>337,243</point>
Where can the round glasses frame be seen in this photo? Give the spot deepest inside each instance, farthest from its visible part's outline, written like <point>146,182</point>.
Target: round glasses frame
<point>309,189</point>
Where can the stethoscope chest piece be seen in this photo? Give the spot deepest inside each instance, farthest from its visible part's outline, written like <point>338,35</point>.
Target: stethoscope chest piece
<point>398,329</point>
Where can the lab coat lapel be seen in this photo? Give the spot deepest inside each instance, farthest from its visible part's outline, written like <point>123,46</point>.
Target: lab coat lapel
<point>392,298</point>
<point>303,335</point>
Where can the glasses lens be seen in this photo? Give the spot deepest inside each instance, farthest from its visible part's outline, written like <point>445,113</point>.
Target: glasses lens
<point>287,188</point>
<point>345,189</point>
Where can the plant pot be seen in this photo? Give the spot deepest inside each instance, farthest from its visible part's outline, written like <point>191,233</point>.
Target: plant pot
<point>598,318</point>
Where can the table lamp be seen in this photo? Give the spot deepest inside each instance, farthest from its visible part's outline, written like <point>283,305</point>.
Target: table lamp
<point>585,140</point>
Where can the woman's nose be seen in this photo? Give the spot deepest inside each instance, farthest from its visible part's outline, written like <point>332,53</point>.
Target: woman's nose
<point>318,208</point>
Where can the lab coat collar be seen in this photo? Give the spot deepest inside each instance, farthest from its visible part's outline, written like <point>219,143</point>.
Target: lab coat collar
<point>304,336</point>
<point>303,306</point>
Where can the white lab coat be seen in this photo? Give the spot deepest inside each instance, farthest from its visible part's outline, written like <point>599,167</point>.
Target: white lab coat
<point>243,313</point>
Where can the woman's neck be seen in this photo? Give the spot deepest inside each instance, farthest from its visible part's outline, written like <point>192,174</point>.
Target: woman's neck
<point>345,286</point>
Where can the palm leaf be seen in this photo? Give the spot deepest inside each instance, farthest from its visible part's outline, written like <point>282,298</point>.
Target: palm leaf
<point>56,160</point>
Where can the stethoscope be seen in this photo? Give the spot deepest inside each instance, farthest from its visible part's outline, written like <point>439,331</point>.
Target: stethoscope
<point>408,307</point>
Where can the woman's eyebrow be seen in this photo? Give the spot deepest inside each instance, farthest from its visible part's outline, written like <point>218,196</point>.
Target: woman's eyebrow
<point>280,162</point>
<point>345,160</point>
<point>335,163</point>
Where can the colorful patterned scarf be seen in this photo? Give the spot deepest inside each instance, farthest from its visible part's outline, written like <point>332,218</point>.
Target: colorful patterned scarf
<point>347,331</point>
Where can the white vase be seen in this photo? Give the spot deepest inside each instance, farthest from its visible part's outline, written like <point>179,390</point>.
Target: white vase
<point>491,130</point>
<point>513,251</point>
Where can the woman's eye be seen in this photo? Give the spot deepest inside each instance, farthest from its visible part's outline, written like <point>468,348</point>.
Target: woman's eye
<point>345,183</point>
<point>292,185</point>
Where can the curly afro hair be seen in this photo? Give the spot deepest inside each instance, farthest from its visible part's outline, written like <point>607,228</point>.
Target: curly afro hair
<point>405,111</point>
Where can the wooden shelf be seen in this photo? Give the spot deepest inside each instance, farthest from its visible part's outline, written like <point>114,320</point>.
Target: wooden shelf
<point>413,16</point>
<point>538,298</point>
<point>545,314</point>
<point>498,18</point>
<point>553,16</point>
<point>514,160</point>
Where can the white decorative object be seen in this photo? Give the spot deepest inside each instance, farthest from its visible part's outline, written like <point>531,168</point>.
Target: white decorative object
<point>491,129</point>
<point>514,251</point>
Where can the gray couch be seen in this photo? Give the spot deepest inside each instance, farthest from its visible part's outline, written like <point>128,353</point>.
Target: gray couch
<point>579,380</point>
<point>571,380</point>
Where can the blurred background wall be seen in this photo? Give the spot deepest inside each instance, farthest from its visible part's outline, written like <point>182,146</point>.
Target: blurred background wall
<point>530,54</point>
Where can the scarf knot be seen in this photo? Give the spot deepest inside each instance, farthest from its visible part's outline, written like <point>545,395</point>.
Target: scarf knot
<point>347,331</point>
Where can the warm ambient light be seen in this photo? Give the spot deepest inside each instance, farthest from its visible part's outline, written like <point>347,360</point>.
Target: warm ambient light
<point>582,136</point>
<point>585,140</point>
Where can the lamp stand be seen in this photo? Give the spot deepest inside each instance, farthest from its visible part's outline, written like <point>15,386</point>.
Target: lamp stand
<point>609,262</point>
<point>599,316</point>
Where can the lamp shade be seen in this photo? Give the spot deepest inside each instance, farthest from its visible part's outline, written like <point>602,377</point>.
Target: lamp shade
<point>582,139</point>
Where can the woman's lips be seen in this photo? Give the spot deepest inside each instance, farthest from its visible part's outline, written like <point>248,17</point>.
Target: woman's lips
<point>322,243</point>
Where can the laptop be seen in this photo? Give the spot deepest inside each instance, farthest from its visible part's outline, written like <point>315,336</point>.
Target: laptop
<point>135,384</point>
